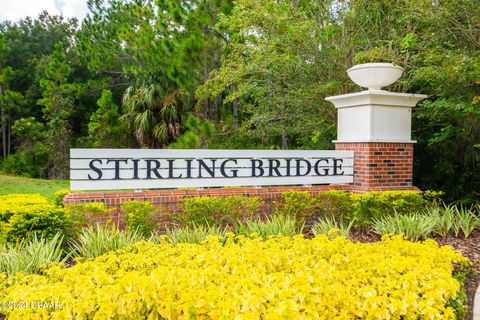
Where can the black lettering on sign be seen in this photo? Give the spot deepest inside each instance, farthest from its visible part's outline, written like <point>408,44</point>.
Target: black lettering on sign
<point>170,170</point>
<point>298,167</point>
<point>317,169</point>
<point>154,169</point>
<point>257,164</point>
<point>274,167</point>
<point>337,166</point>
<point>222,169</point>
<point>117,166</point>
<point>202,164</point>
<point>135,168</point>
<point>96,169</point>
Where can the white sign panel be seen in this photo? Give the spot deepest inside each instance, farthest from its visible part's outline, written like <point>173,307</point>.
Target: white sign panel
<point>110,169</point>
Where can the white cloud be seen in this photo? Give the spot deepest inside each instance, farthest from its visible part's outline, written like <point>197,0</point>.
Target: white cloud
<point>75,8</point>
<point>14,10</point>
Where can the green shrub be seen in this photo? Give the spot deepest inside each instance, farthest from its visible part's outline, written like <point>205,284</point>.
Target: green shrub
<point>88,214</point>
<point>57,198</point>
<point>372,206</point>
<point>433,198</point>
<point>194,233</point>
<point>275,225</point>
<point>97,240</point>
<point>140,216</point>
<point>219,210</point>
<point>29,256</point>
<point>335,204</point>
<point>297,205</point>
<point>327,224</point>
<point>23,215</point>
<point>414,226</point>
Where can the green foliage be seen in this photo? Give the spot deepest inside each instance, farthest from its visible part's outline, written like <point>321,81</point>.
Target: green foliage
<point>194,233</point>
<point>58,102</point>
<point>140,216</point>
<point>326,225</point>
<point>414,226</point>
<point>335,204</point>
<point>104,128</point>
<point>275,225</point>
<point>57,198</point>
<point>96,240</point>
<point>31,256</point>
<point>444,218</point>
<point>465,221</point>
<point>297,205</point>
<point>374,205</point>
<point>196,134</point>
<point>219,210</point>
<point>88,214</point>
<point>433,198</point>
<point>346,207</point>
<point>23,218</point>
<point>375,54</point>
<point>153,110</point>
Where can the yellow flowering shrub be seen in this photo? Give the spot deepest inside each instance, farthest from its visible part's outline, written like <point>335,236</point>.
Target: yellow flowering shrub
<point>22,215</point>
<point>247,278</point>
<point>13,203</point>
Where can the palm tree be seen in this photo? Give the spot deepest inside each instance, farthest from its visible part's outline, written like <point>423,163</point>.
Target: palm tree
<point>153,111</point>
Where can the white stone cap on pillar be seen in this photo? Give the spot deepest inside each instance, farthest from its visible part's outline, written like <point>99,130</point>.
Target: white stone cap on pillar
<point>375,116</point>
<point>376,97</point>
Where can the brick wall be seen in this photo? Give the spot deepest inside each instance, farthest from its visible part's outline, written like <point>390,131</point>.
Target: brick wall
<point>381,166</point>
<point>170,198</point>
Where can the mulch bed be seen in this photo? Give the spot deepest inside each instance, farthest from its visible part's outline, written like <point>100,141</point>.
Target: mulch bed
<point>469,247</point>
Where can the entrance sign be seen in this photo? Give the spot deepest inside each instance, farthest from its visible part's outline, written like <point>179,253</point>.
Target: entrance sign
<point>110,169</point>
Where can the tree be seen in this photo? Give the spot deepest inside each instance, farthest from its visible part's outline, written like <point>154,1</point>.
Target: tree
<point>153,111</point>
<point>105,129</point>
<point>58,101</point>
<point>277,72</point>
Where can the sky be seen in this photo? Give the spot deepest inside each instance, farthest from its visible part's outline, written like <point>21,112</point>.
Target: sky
<point>14,10</point>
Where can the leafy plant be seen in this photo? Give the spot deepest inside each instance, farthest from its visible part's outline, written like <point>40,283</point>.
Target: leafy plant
<point>88,214</point>
<point>465,221</point>
<point>219,210</point>
<point>326,224</point>
<point>57,198</point>
<point>414,227</point>
<point>444,218</point>
<point>194,233</point>
<point>140,216</point>
<point>334,203</point>
<point>29,256</point>
<point>92,242</point>
<point>22,216</point>
<point>297,205</point>
<point>275,225</point>
<point>374,205</point>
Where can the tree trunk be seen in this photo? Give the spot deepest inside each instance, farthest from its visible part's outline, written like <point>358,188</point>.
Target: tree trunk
<point>235,108</point>
<point>235,113</point>
<point>9,135</point>
<point>284,140</point>
<point>4,131</point>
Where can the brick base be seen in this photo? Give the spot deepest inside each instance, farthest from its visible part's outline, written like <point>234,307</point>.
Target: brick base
<point>169,199</point>
<point>381,166</point>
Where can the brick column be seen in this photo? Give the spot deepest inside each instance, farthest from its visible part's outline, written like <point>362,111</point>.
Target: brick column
<point>381,165</point>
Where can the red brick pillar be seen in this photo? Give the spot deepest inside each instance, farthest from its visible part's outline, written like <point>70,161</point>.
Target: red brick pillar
<point>381,165</point>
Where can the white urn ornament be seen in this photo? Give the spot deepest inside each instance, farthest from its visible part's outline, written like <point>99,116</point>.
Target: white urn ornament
<point>375,76</point>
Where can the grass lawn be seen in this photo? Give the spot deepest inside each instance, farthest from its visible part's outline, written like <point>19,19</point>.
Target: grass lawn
<point>14,184</point>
